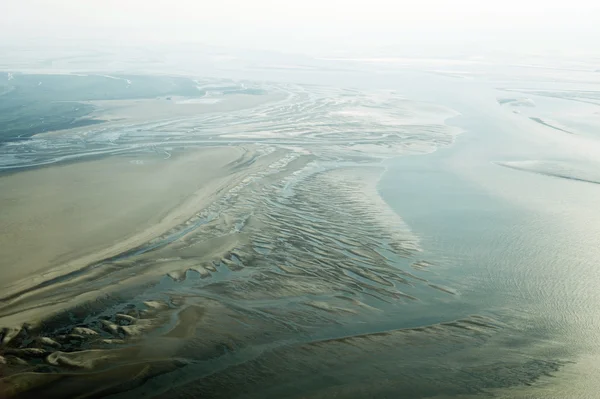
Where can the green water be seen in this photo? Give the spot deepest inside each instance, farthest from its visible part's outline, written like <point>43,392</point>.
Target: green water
<point>517,246</point>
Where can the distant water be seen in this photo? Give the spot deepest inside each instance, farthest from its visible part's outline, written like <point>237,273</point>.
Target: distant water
<point>519,247</point>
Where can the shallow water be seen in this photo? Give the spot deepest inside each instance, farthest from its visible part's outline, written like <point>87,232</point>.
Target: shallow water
<point>521,246</point>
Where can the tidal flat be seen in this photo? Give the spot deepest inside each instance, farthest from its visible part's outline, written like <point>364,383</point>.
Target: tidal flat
<point>268,240</point>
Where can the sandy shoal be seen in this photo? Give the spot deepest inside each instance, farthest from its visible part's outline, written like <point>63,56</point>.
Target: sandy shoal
<point>138,110</point>
<point>114,112</point>
<point>61,218</point>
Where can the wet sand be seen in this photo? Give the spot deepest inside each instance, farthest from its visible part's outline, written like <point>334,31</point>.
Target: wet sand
<point>170,107</point>
<point>292,282</point>
<point>59,219</point>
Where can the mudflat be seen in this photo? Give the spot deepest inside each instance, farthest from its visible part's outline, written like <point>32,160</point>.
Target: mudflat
<point>55,219</point>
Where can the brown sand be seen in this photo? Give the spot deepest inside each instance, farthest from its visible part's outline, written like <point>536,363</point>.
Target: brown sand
<point>58,219</point>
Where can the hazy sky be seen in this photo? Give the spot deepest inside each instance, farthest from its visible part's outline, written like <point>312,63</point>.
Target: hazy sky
<point>307,25</point>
